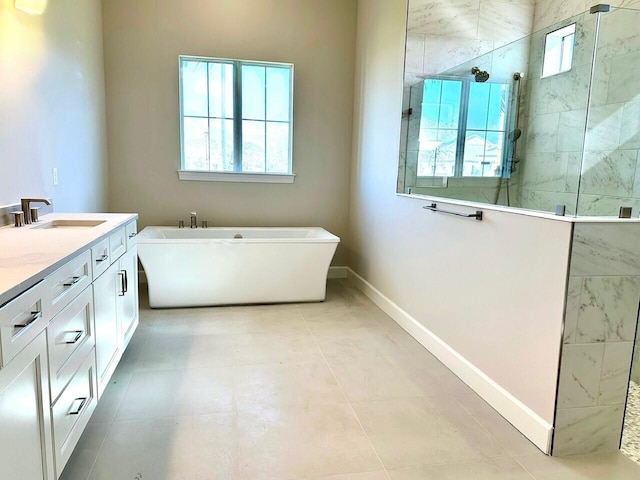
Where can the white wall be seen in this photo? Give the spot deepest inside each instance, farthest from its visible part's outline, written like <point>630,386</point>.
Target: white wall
<point>142,42</point>
<point>52,105</point>
<point>492,290</point>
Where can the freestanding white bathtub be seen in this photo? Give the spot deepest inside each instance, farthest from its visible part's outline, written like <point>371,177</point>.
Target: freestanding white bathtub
<point>225,266</point>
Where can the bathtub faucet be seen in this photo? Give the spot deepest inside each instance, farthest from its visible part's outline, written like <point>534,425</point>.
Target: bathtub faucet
<point>194,220</point>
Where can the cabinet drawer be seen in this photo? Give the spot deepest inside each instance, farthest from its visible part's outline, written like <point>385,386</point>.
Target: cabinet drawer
<point>71,412</point>
<point>21,320</point>
<point>70,339</point>
<point>131,230</point>
<point>100,258</point>
<point>68,281</point>
<point>117,244</point>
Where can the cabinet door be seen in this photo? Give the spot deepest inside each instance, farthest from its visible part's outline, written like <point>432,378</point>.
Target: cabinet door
<point>25,425</point>
<point>108,345</point>
<point>128,295</point>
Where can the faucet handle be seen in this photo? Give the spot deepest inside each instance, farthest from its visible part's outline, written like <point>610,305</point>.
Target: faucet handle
<point>193,214</point>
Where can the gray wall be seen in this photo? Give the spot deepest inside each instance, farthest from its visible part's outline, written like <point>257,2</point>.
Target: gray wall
<point>142,42</point>
<point>52,105</point>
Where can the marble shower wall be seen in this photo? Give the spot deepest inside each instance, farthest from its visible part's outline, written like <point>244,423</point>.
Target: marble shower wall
<point>610,175</point>
<point>555,124</point>
<point>549,12</point>
<point>443,34</point>
<point>557,116</point>
<point>635,368</point>
<point>600,324</point>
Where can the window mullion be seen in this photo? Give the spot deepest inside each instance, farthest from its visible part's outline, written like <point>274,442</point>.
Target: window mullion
<point>237,116</point>
<point>208,149</point>
<point>266,139</point>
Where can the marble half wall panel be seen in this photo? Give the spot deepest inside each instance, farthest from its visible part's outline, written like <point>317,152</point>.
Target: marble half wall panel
<point>601,314</point>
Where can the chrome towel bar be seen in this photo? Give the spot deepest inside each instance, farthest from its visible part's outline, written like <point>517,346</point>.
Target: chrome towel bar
<point>434,208</point>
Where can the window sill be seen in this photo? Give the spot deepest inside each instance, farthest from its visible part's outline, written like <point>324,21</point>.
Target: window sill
<point>201,176</point>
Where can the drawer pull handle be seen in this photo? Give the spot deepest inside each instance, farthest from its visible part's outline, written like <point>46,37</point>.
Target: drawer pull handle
<point>122,274</point>
<point>34,316</point>
<point>131,235</point>
<point>102,258</point>
<point>77,411</point>
<point>72,282</point>
<point>76,338</point>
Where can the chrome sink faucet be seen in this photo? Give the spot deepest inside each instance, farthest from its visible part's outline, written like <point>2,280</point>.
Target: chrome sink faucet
<point>26,207</point>
<point>194,220</point>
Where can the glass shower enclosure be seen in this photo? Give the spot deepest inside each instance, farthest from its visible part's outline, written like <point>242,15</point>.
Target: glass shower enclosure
<point>548,123</point>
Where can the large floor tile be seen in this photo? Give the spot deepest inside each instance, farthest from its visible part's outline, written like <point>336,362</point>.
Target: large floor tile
<point>379,475</point>
<point>285,384</point>
<point>179,448</point>
<point>424,431</point>
<point>84,456</point>
<point>181,392</point>
<point>112,396</point>
<point>599,466</point>
<point>374,378</point>
<point>297,442</point>
<point>289,321</point>
<point>330,317</point>
<point>200,321</point>
<point>357,342</point>
<point>505,468</point>
<point>505,434</point>
<point>263,348</point>
<point>164,352</point>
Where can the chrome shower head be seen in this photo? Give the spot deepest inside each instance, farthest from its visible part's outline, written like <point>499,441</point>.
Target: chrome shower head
<point>481,76</point>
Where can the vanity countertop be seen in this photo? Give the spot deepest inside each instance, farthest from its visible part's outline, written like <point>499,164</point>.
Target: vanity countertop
<point>30,253</point>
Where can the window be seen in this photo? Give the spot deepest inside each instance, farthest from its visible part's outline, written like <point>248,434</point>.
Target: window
<point>236,120</point>
<point>462,128</point>
<point>558,51</point>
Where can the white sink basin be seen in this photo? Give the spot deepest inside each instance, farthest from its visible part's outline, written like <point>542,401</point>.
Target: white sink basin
<point>71,224</point>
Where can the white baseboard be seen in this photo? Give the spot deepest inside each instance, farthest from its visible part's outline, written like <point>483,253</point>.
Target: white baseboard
<point>534,427</point>
<point>338,272</point>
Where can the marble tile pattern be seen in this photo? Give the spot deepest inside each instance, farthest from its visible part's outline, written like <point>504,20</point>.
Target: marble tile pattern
<point>631,434</point>
<point>601,315</point>
<point>611,141</point>
<point>321,391</point>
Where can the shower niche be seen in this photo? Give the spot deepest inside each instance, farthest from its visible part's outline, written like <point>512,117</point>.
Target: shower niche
<point>547,121</point>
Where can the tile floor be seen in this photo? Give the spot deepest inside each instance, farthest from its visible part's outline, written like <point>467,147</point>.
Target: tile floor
<point>333,390</point>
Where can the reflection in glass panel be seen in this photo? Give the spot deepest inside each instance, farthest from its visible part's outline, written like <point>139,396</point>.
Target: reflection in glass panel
<point>483,153</point>
<point>450,104</point>
<point>195,135</point>
<point>221,145</point>
<point>437,154</point>
<point>253,146</point>
<point>479,95</point>
<point>277,147</point>
<point>497,111</point>
<point>278,86</point>
<point>253,92</point>
<point>194,88</point>
<point>221,90</point>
